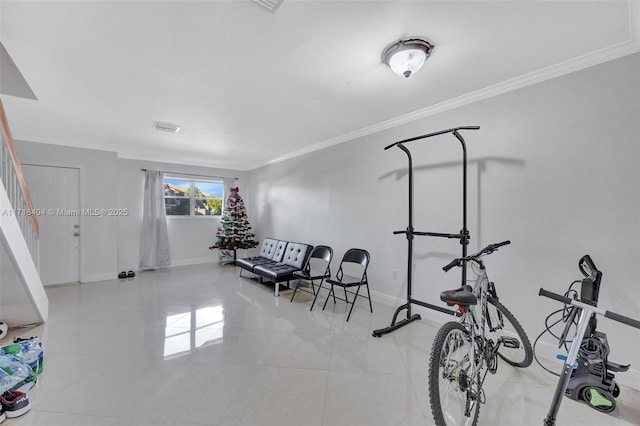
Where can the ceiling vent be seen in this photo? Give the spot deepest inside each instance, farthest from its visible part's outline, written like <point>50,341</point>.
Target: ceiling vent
<point>166,127</point>
<point>271,5</point>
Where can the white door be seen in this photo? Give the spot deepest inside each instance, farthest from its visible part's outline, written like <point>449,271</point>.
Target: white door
<point>55,192</point>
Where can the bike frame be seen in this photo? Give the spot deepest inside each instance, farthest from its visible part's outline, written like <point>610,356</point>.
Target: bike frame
<point>461,374</point>
<point>474,319</point>
<point>480,289</point>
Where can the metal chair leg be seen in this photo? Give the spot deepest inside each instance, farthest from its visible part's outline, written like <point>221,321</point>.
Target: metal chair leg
<point>316,293</point>
<point>346,299</point>
<point>295,289</point>
<point>353,303</point>
<point>369,293</point>
<point>327,299</point>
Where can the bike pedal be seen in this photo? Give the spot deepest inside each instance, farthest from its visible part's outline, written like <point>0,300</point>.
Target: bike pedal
<point>509,342</point>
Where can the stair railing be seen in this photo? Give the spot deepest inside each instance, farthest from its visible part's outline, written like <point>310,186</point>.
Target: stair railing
<point>16,187</point>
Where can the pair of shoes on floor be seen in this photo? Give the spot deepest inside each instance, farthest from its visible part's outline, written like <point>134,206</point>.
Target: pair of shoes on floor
<point>13,403</point>
<point>124,274</point>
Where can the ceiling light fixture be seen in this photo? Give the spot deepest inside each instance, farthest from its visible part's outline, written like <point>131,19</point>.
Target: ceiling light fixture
<point>405,57</point>
<point>166,127</point>
<point>271,5</point>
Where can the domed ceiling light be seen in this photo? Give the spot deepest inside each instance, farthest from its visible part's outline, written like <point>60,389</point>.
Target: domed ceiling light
<point>405,57</point>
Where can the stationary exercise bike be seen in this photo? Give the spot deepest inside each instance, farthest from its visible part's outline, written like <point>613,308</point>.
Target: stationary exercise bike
<point>587,374</point>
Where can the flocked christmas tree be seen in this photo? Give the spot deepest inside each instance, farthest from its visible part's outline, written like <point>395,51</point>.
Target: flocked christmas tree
<point>235,230</point>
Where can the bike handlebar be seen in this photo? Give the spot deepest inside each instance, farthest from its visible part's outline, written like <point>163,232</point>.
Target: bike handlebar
<point>454,262</point>
<point>621,318</point>
<point>496,245</point>
<point>487,250</point>
<point>555,296</point>
<point>607,314</point>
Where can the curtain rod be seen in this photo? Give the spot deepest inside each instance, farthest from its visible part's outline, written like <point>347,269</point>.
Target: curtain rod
<point>191,174</point>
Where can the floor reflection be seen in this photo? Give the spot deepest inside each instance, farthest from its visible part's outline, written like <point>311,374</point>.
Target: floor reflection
<point>188,331</point>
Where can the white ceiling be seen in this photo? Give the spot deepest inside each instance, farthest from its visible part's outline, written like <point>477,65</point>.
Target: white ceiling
<point>249,87</point>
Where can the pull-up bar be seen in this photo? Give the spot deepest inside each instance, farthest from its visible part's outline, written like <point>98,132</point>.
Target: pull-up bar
<point>441,132</point>
<point>463,235</point>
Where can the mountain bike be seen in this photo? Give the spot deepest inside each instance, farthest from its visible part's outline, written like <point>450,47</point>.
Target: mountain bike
<point>465,351</point>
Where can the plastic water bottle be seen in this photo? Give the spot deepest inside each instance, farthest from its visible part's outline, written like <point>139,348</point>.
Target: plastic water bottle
<point>31,354</point>
<point>7,381</point>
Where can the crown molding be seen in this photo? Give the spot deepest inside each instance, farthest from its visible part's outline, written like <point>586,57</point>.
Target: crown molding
<point>610,53</point>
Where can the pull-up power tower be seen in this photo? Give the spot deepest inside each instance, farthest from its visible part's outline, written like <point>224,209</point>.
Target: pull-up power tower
<point>463,235</point>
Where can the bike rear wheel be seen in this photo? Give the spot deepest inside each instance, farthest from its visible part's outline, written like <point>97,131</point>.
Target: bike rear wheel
<point>454,391</point>
<point>501,324</point>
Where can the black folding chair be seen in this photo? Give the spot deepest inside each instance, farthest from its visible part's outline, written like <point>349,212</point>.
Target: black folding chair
<point>316,268</point>
<point>353,260</point>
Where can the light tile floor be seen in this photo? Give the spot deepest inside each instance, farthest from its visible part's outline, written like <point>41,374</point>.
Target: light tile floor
<point>199,345</point>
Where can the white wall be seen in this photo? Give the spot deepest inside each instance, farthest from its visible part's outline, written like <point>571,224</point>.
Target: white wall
<point>189,238</point>
<point>554,168</point>
<point>111,244</point>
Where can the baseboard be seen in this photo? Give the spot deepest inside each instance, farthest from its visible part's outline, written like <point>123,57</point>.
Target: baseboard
<point>98,277</point>
<point>385,299</point>
<point>194,261</point>
<point>183,262</point>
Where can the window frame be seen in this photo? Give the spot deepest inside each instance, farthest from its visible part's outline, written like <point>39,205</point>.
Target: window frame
<point>192,180</point>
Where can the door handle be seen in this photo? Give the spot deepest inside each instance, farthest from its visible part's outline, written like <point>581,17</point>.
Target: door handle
<point>76,234</point>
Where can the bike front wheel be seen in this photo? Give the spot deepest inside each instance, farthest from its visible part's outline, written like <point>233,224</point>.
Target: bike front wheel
<point>515,347</point>
<point>454,391</point>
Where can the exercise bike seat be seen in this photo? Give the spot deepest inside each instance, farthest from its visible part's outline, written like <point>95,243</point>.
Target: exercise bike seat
<point>462,296</point>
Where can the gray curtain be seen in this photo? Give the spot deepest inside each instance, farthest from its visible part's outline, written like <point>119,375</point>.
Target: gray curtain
<point>154,238</point>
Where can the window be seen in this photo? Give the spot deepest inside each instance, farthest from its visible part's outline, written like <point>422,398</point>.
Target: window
<point>189,197</point>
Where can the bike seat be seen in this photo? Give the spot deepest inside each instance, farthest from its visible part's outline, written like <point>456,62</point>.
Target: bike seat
<point>462,296</point>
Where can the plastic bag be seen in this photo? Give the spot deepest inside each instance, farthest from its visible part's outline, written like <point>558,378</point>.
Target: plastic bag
<point>15,374</point>
<point>28,351</point>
